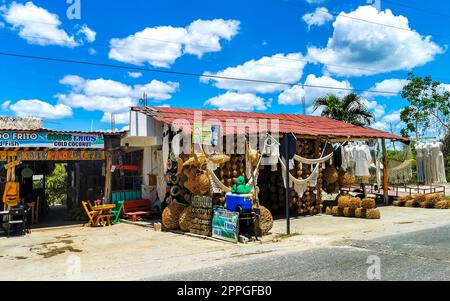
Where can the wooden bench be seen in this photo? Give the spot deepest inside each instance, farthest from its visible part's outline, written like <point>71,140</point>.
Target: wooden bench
<point>137,208</point>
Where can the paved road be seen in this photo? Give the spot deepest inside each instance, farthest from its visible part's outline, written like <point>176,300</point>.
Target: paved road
<point>421,255</point>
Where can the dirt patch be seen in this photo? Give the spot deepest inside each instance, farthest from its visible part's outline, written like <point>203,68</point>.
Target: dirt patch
<point>65,236</point>
<point>21,257</point>
<point>64,241</point>
<point>55,251</point>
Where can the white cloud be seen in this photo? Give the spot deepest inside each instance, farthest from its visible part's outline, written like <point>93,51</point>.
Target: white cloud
<point>111,96</point>
<point>96,103</point>
<point>388,85</point>
<point>204,36</point>
<point>161,46</point>
<point>312,90</point>
<point>363,45</point>
<point>135,74</point>
<point>157,90</point>
<point>389,122</point>
<point>315,1</point>
<point>5,105</point>
<point>92,51</point>
<point>277,68</point>
<point>88,33</point>
<point>37,25</point>
<point>377,109</point>
<point>312,93</point>
<point>119,118</point>
<point>2,24</point>
<point>39,108</point>
<point>231,101</point>
<point>292,96</point>
<point>319,17</point>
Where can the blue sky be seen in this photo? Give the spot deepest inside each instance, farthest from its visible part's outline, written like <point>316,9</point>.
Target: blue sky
<point>312,42</point>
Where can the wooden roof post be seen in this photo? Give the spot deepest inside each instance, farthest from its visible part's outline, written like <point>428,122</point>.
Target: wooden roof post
<point>385,173</point>
<point>108,177</point>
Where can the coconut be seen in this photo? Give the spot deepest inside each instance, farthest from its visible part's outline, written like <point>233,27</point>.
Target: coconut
<point>433,198</point>
<point>336,211</point>
<point>373,214</point>
<point>344,201</point>
<point>171,216</point>
<point>427,204</point>
<point>412,204</point>
<point>266,220</point>
<point>442,205</point>
<point>185,219</point>
<point>368,203</point>
<point>361,213</point>
<point>349,212</point>
<point>419,198</point>
<point>346,180</point>
<point>398,203</point>
<point>330,174</point>
<point>354,203</point>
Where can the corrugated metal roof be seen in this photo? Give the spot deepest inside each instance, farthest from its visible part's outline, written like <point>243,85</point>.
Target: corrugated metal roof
<point>288,123</point>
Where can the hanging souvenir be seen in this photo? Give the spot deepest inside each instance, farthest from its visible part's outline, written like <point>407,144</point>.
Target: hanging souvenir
<point>175,191</point>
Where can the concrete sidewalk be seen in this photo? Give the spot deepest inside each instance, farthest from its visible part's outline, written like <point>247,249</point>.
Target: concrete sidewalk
<point>127,252</point>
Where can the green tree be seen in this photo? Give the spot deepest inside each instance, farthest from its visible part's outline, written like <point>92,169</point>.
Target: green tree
<point>56,185</point>
<point>446,152</point>
<point>429,103</point>
<point>349,109</point>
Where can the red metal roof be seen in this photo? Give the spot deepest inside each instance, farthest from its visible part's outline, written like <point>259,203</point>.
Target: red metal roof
<point>288,123</point>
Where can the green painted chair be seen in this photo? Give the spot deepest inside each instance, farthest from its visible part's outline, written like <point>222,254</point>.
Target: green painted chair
<point>117,212</point>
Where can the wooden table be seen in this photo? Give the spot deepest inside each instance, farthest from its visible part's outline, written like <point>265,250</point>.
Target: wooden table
<point>103,212</point>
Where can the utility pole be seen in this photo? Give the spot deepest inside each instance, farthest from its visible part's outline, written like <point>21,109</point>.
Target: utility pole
<point>304,104</point>
<point>144,99</point>
<point>113,122</point>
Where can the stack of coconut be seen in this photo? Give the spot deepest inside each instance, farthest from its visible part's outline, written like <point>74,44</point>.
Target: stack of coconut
<point>231,170</point>
<point>349,206</point>
<point>428,201</point>
<point>308,204</point>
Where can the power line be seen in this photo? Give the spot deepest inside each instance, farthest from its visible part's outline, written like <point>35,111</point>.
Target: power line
<point>261,64</point>
<point>182,73</point>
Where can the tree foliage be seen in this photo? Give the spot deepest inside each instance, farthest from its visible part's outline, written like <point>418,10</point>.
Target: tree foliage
<point>429,104</point>
<point>56,185</point>
<point>350,109</point>
<point>446,152</point>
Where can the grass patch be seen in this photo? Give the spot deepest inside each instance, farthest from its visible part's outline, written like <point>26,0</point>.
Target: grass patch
<point>285,236</point>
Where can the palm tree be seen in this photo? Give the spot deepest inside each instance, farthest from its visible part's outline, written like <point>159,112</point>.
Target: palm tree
<point>349,109</point>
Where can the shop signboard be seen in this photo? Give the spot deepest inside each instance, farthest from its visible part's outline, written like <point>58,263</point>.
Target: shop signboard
<point>17,139</point>
<point>206,134</point>
<point>225,225</point>
<point>54,155</point>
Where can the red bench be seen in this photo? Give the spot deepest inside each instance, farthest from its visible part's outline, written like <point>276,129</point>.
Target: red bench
<point>133,209</point>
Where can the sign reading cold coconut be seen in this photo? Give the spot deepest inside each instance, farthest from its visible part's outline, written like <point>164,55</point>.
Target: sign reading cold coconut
<point>225,225</point>
<point>13,139</point>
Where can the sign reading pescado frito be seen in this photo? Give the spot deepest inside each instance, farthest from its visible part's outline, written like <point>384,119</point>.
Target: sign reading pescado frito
<point>12,139</point>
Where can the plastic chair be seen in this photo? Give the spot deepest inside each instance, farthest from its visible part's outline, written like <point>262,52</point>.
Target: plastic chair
<point>117,212</point>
